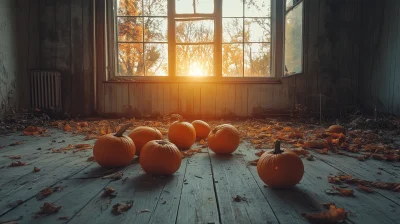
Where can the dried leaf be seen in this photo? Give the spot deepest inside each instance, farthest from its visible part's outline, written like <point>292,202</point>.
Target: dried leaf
<point>322,151</point>
<point>114,176</point>
<point>109,192</point>
<point>90,137</point>
<point>18,163</point>
<point>253,162</point>
<point>49,208</point>
<point>17,143</point>
<point>83,146</point>
<point>44,193</point>
<point>397,189</point>
<point>239,198</point>
<point>190,152</point>
<point>36,169</point>
<point>301,152</point>
<point>259,153</point>
<point>90,159</point>
<point>334,180</point>
<point>14,157</point>
<point>333,215</point>
<point>310,157</point>
<point>315,144</point>
<point>144,210</point>
<point>344,192</point>
<point>364,188</point>
<point>67,128</point>
<point>121,207</point>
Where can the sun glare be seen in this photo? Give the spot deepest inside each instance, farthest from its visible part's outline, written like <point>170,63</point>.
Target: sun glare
<point>195,70</point>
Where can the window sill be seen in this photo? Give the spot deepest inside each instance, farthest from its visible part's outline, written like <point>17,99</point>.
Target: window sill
<point>223,80</point>
<point>291,75</point>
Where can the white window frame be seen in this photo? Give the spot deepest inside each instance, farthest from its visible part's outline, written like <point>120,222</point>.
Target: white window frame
<point>277,48</point>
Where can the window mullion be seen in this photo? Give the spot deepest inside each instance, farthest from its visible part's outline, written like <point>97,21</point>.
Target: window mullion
<point>218,38</point>
<point>278,19</point>
<point>171,39</point>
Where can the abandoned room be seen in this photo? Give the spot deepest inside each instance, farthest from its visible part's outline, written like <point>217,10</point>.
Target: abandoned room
<point>200,111</point>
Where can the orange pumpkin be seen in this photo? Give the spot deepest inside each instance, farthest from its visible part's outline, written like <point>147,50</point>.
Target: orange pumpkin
<point>141,135</point>
<point>336,129</point>
<point>223,139</point>
<point>280,168</point>
<point>202,129</point>
<point>181,133</point>
<point>160,157</point>
<point>114,150</point>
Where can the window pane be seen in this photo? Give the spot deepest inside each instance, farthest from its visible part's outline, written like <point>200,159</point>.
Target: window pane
<point>232,8</point>
<point>204,6</point>
<point>232,60</point>
<point>155,7</point>
<point>130,29</point>
<point>232,30</point>
<point>195,60</point>
<point>289,3</point>
<point>130,59</point>
<point>257,60</point>
<point>294,40</point>
<point>195,31</point>
<point>184,7</point>
<point>257,8</point>
<point>257,30</point>
<point>155,29</point>
<point>129,7</point>
<point>156,59</point>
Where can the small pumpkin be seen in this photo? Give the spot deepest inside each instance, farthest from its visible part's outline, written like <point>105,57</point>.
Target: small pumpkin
<point>160,157</point>
<point>336,129</point>
<point>223,139</point>
<point>114,150</point>
<point>202,129</point>
<point>141,135</point>
<point>280,168</point>
<point>181,133</point>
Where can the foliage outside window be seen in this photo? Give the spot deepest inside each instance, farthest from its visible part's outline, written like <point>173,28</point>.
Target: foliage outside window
<point>245,44</point>
<point>294,37</point>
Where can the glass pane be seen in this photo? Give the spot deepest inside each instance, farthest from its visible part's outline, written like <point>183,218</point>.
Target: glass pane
<point>204,6</point>
<point>232,60</point>
<point>257,8</point>
<point>155,29</point>
<point>130,59</point>
<point>232,8</point>
<point>289,3</point>
<point>294,40</point>
<point>257,30</point>
<point>195,31</point>
<point>184,7</point>
<point>156,59</point>
<point>155,7</point>
<point>195,60</point>
<point>129,7</point>
<point>130,29</point>
<point>257,60</point>
<point>232,30</point>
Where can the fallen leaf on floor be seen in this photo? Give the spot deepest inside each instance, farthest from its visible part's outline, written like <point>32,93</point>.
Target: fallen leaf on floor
<point>67,128</point>
<point>47,192</point>
<point>109,192</point>
<point>63,218</point>
<point>121,207</point>
<point>114,176</point>
<point>144,210</point>
<point>14,157</point>
<point>202,142</point>
<point>90,159</point>
<point>385,185</point>
<point>253,162</point>
<point>18,163</point>
<point>190,152</point>
<point>310,157</point>
<point>315,144</point>
<point>333,215</point>
<point>36,169</point>
<point>31,130</point>
<point>322,151</point>
<point>17,143</point>
<point>48,209</point>
<point>334,180</point>
<point>83,146</point>
<point>301,152</point>
<point>397,189</point>
<point>344,192</point>
<point>238,198</point>
<point>259,153</point>
<point>90,137</point>
<point>365,188</point>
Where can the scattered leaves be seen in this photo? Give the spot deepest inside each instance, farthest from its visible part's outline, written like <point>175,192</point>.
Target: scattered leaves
<point>343,191</point>
<point>190,152</point>
<point>90,159</point>
<point>121,207</point>
<point>36,169</point>
<point>365,188</point>
<point>114,176</point>
<point>17,143</point>
<point>239,198</point>
<point>17,163</point>
<point>333,215</point>
<point>253,162</point>
<point>109,192</point>
<point>48,209</point>
<point>14,157</point>
<point>47,192</point>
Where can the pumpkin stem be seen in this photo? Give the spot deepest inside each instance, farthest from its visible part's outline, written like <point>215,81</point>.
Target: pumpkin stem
<point>162,142</point>
<point>121,131</point>
<point>178,117</point>
<point>278,147</point>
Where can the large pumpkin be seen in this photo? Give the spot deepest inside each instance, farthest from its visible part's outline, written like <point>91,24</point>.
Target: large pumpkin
<point>202,129</point>
<point>223,139</point>
<point>280,168</point>
<point>160,157</point>
<point>141,135</point>
<point>114,150</point>
<point>181,133</point>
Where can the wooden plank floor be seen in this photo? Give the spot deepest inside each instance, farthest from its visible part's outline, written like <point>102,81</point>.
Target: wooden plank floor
<point>200,191</point>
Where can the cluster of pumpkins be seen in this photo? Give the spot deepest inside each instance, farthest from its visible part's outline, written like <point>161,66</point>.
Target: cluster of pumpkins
<point>156,155</point>
<point>277,168</point>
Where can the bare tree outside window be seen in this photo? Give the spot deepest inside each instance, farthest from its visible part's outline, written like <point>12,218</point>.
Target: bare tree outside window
<point>294,37</point>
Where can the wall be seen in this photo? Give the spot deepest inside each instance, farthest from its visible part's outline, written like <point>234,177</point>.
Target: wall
<point>380,67</point>
<point>13,63</point>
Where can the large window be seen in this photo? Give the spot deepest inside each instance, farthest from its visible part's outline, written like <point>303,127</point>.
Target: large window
<point>221,39</point>
<point>294,37</point>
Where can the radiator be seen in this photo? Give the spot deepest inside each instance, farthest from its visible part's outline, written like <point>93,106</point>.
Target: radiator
<point>45,89</point>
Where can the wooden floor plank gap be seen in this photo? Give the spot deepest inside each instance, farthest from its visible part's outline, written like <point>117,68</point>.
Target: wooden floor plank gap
<point>180,195</point>
<point>215,188</point>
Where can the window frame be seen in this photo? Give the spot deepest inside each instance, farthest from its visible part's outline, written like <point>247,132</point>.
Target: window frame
<point>302,36</point>
<point>278,10</point>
